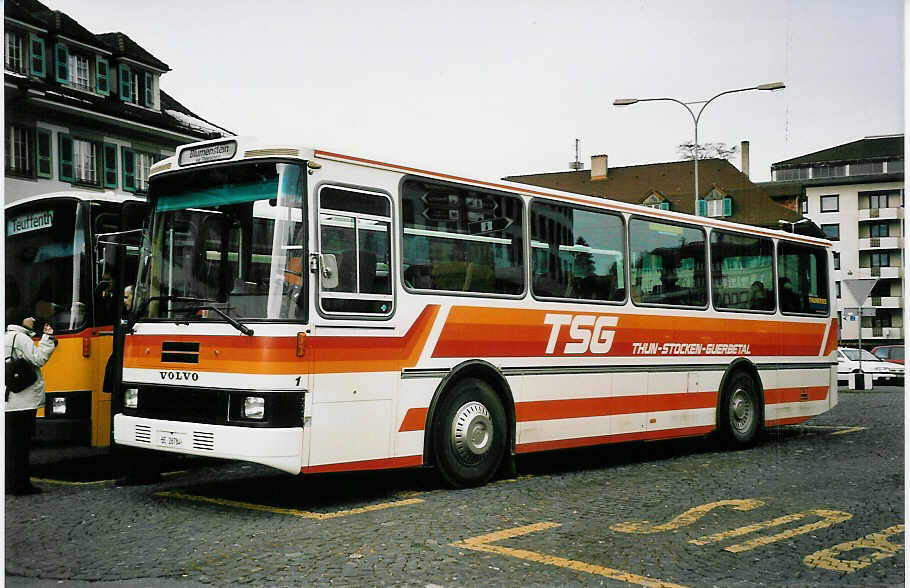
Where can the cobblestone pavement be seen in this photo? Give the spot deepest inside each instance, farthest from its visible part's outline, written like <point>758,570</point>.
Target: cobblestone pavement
<point>819,504</point>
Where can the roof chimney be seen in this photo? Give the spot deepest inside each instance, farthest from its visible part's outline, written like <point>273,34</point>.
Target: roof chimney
<point>598,167</point>
<point>744,152</point>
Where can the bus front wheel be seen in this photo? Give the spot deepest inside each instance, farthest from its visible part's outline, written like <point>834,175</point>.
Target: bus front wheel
<point>469,434</point>
<point>740,411</point>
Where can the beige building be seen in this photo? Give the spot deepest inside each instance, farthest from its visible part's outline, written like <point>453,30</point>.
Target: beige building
<point>855,193</point>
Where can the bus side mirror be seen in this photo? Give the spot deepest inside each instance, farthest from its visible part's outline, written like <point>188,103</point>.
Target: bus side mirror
<point>328,273</point>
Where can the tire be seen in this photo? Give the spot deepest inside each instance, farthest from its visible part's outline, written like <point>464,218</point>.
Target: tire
<point>740,411</point>
<point>470,436</point>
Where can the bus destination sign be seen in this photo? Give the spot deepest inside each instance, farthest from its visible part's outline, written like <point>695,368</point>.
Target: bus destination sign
<point>206,153</point>
<point>32,221</point>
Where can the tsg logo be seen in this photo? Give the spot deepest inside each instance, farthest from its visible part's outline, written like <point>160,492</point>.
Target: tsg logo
<point>588,332</point>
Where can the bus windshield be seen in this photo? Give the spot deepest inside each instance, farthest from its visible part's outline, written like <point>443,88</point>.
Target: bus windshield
<point>47,267</point>
<point>228,239</point>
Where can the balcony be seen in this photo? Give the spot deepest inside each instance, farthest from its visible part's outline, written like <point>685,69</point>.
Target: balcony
<point>873,333</point>
<point>879,272</point>
<point>879,214</point>
<point>886,302</point>
<point>881,243</point>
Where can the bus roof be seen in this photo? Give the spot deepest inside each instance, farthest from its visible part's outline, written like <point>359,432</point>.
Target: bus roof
<point>250,148</point>
<point>107,196</point>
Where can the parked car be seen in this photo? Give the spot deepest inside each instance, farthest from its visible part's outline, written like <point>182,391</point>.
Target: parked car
<point>892,353</point>
<point>848,362</point>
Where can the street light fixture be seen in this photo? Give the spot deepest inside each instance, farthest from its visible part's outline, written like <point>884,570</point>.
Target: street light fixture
<point>793,224</point>
<point>697,116</point>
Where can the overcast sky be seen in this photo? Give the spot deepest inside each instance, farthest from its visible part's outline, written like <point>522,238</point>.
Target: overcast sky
<point>493,88</point>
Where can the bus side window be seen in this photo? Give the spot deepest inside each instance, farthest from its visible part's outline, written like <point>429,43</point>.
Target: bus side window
<point>355,227</point>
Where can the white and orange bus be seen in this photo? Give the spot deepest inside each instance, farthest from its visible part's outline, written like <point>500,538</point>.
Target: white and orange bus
<point>319,312</point>
<point>58,272</point>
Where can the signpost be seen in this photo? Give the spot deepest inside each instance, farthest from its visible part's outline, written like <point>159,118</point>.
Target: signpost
<point>857,290</point>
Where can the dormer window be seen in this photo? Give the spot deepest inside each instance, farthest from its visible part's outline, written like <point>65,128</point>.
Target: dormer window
<point>138,87</point>
<point>716,204</point>
<point>81,74</point>
<point>14,53</point>
<point>656,200</point>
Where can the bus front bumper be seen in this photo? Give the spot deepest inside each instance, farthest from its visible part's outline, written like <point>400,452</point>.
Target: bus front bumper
<point>279,448</point>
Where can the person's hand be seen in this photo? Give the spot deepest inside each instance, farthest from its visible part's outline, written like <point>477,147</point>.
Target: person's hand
<point>48,329</point>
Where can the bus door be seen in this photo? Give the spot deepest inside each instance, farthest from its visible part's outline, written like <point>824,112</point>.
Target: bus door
<point>353,389</point>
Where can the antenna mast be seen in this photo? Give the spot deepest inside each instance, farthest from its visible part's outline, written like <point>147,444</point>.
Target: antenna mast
<point>576,165</point>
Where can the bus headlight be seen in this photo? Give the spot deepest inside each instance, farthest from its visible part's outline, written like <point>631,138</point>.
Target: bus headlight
<point>131,398</point>
<point>58,405</point>
<point>253,407</point>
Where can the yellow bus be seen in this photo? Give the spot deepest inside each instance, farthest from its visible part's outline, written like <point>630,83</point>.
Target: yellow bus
<point>56,273</point>
<point>318,312</point>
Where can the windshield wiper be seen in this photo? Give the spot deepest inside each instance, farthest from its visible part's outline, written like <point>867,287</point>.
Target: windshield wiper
<point>134,316</point>
<point>234,322</point>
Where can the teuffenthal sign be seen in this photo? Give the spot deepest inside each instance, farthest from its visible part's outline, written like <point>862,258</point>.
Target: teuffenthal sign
<point>30,222</point>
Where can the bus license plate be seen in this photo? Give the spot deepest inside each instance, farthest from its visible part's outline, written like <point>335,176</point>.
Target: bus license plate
<point>171,439</point>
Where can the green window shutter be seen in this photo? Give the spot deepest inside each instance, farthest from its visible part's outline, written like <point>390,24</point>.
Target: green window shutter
<point>110,165</point>
<point>702,208</point>
<point>129,169</point>
<point>36,55</point>
<point>62,55</point>
<point>665,206</point>
<point>43,142</point>
<point>102,76</point>
<point>124,74</point>
<point>149,90</point>
<point>66,158</point>
<point>728,206</point>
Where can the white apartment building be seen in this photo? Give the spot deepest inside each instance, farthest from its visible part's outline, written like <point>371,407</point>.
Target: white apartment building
<point>855,193</point>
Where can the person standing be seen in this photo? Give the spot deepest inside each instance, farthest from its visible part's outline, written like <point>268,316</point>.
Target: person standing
<point>21,407</point>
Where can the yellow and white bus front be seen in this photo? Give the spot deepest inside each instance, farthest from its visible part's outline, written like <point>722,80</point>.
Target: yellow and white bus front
<point>213,361</point>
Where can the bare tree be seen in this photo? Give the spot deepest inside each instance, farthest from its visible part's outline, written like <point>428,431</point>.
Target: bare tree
<point>706,151</point>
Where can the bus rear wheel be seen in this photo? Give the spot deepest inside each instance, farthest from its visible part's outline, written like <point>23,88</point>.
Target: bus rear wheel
<point>469,434</point>
<point>740,411</point>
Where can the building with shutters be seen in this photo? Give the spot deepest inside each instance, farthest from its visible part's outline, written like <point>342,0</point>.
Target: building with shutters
<point>855,193</point>
<point>724,191</point>
<point>84,111</point>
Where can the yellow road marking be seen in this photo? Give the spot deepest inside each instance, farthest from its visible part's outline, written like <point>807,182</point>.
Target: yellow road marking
<point>849,430</point>
<point>686,518</point>
<point>67,483</point>
<point>829,517</point>
<point>319,516</point>
<point>93,482</point>
<point>482,543</point>
<point>827,558</point>
<point>843,429</point>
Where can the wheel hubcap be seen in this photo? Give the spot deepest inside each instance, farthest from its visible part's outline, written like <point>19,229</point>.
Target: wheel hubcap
<point>472,432</point>
<point>741,410</point>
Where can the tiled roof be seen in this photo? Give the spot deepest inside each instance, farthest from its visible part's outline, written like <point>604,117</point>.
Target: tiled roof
<point>868,149</point>
<point>675,181</point>
<point>122,45</point>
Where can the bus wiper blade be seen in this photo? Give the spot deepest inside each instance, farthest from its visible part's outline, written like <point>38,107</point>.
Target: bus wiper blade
<point>134,316</point>
<point>234,322</point>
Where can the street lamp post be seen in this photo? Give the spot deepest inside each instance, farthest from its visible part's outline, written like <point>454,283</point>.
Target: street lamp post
<point>697,116</point>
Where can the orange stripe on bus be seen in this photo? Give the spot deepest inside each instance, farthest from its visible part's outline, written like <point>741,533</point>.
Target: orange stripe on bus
<point>788,421</point>
<point>543,410</point>
<point>798,394</point>
<point>388,463</point>
<point>414,420</point>
<point>572,408</point>
<point>833,337</point>
<point>278,355</point>
<point>619,438</point>
<point>509,332</point>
